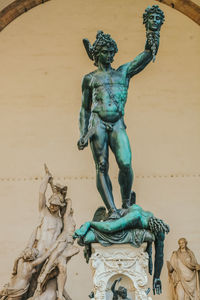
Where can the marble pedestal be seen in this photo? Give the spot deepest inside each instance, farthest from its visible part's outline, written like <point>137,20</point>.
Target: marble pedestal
<point>126,261</point>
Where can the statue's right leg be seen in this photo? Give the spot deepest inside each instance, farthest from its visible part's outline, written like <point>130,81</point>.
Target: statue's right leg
<point>62,276</point>
<point>99,146</point>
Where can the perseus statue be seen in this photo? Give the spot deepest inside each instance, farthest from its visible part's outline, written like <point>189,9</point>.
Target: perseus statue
<point>104,95</point>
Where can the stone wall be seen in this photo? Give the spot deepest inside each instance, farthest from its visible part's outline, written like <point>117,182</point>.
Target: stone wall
<point>42,64</point>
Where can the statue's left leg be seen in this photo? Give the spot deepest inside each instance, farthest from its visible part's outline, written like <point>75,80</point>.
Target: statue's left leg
<point>119,143</point>
<point>50,262</point>
<point>62,276</point>
<point>62,261</point>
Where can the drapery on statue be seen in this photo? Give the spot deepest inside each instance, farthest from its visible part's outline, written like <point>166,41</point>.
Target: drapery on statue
<point>104,95</point>
<point>39,273</point>
<point>135,227</point>
<point>183,271</point>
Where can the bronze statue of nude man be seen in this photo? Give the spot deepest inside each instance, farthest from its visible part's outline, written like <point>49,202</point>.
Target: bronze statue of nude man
<point>104,95</point>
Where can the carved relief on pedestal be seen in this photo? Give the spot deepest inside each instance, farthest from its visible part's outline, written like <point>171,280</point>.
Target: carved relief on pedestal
<point>128,262</point>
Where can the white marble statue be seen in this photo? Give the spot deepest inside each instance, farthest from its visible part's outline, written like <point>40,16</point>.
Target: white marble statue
<point>183,272</point>
<point>40,272</point>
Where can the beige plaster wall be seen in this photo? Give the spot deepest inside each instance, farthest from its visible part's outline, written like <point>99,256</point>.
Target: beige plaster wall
<point>42,64</point>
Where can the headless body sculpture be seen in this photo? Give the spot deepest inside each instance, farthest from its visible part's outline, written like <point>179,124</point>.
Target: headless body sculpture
<point>135,219</point>
<point>101,117</point>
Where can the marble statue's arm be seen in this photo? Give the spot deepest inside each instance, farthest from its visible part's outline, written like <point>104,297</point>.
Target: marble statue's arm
<point>67,213</point>
<point>43,188</point>
<point>42,258</point>
<point>50,178</point>
<point>69,207</point>
<point>86,106</point>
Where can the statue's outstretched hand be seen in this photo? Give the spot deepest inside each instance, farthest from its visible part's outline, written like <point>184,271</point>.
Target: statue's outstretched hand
<point>152,41</point>
<point>157,286</point>
<point>81,144</point>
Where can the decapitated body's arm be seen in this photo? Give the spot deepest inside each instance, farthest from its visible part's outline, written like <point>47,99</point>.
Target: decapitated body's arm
<point>85,108</point>
<point>69,207</point>
<point>158,264</point>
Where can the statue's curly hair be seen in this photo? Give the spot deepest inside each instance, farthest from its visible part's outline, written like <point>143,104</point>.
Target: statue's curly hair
<point>157,225</point>
<point>150,10</point>
<point>102,40</point>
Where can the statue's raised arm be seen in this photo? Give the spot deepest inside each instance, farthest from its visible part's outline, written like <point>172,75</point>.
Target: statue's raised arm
<point>153,18</point>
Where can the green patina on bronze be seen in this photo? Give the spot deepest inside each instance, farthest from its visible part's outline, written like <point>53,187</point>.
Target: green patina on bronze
<point>104,95</point>
<point>135,227</point>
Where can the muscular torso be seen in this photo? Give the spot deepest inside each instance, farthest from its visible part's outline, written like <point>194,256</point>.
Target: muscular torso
<point>109,94</point>
<point>48,231</point>
<point>68,230</point>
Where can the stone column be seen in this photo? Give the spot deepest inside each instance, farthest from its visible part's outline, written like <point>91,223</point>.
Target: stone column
<point>126,261</point>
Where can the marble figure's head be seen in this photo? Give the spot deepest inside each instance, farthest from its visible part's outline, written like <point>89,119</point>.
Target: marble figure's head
<point>182,242</point>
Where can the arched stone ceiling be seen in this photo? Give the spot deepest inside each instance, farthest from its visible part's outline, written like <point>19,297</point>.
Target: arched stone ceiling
<point>187,7</point>
<point>10,10</point>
